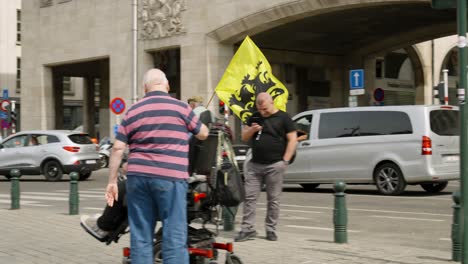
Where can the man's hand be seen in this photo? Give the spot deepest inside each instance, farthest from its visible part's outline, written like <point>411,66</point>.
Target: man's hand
<point>112,194</point>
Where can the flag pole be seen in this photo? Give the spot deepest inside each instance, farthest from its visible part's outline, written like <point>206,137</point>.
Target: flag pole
<point>209,101</point>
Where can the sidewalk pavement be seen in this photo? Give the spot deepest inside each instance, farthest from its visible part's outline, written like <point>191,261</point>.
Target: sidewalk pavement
<point>32,235</point>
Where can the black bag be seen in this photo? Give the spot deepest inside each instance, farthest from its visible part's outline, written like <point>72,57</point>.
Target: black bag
<point>229,187</point>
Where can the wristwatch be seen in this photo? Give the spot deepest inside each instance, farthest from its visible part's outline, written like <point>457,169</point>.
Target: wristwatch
<point>286,162</point>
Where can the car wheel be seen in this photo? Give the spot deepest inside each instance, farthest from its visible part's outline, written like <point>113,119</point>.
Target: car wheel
<point>53,171</point>
<point>389,179</point>
<point>8,177</point>
<point>434,187</point>
<point>84,176</point>
<point>104,161</point>
<point>310,186</point>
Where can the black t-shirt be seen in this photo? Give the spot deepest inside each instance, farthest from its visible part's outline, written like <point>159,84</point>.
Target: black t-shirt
<point>270,146</point>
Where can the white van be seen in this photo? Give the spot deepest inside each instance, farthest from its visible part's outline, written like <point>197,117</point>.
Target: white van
<point>389,146</point>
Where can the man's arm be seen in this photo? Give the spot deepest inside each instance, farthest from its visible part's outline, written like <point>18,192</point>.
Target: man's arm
<point>203,134</point>
<point>291,146</point>
<point>249,131</point>
<point>112,192</point>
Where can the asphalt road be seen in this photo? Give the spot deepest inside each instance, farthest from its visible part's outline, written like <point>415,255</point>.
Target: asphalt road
<point>415,218</point>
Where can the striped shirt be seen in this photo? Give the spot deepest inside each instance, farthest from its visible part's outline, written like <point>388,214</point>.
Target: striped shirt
<point>156,130</point>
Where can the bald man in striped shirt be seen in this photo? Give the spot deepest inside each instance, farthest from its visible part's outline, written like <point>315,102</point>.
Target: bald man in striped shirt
<point>156,130</point>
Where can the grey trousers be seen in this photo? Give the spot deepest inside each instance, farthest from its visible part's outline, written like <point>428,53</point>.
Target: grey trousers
<point>255,176</point>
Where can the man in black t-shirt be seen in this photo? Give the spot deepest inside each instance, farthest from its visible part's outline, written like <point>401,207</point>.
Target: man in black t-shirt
<point>273,136</point>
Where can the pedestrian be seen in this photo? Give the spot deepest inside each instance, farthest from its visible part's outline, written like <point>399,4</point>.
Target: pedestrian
<point>156,130</point>
<point>273,139</point>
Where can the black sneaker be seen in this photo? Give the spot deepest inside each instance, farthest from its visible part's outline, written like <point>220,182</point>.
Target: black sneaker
<point>244,236</point>
<point>270,235</point>
<point>89,223</point>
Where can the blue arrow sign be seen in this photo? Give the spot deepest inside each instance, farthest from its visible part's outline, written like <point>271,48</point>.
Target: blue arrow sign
<point>356,79</point>
<point>5,94</point>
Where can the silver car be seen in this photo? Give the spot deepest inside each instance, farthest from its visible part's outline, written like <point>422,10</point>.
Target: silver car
<point>49,152</point>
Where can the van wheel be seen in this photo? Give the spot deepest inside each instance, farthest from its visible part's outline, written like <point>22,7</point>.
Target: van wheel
<point>389,179</point>
<point>310,186</point>
<point>434,187</point>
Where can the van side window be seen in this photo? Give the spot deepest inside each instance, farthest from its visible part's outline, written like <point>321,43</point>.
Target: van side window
<point>374,123</point>
<point>303,127</point>
<point>364,123</point>
<point>340,124</point>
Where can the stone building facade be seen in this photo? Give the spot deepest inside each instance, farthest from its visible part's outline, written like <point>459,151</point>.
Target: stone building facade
<point>194,40</point>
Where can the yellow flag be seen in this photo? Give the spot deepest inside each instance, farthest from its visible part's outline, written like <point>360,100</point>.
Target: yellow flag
<point>247,75</point>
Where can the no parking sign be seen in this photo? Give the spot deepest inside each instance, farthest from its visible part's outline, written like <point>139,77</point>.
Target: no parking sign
<point>117,105</point>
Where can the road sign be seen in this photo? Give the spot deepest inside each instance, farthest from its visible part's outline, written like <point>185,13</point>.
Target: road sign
<point>5,123</point>
<point>4,105</point>
<point>117,105</point>
<point>379,94</point>
<point>356,79</point>
<point>5,94</point>
<point>3,115</point>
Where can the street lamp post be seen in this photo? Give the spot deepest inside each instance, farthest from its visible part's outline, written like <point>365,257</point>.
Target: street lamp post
<point>461,25</point>
<point>462,60</point>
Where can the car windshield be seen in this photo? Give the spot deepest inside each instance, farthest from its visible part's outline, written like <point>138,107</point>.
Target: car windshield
<point>80,139</point>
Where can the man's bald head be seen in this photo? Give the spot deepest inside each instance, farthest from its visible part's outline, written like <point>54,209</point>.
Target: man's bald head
<point>155,80</point>
<point>264,104</point>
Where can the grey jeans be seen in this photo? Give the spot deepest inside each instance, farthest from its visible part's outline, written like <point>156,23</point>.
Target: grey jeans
<point>255,176</point>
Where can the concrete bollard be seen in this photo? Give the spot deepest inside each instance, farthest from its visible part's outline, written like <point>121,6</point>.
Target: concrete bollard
<point>340,214</point>
<point>15,188</point>
<point>74,199</point>
<point>456,239</point>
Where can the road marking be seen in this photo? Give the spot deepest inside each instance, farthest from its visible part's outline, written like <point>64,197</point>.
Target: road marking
<point>38,197</point>
<point>361,210</point>
<point>319,228</point>
<point>93,208</point>
<point>26,203</point>
<point>408,218</point>
<point>445,239</point>
<point>297,211</point>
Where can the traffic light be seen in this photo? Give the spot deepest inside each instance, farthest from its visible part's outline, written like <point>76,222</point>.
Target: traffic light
<point>221,107</point>
<point>439,93</point>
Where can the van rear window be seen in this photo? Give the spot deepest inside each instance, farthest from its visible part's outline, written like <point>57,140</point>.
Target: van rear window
<point>445,122</point>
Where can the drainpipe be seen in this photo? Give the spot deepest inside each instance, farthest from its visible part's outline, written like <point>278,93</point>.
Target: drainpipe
<point>134,46</point>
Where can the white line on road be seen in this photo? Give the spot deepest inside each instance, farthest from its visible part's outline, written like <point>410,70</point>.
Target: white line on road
<point>28,203</point>
<point>38,197</point>
<point>445,239</point>
<point>93,208</point>
<point>297,211</point>
<point>319,228</point>
<point>361,210</point>
<point>408,218</point>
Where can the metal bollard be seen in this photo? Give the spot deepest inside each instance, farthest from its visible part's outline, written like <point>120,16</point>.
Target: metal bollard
<point>74,200</point>
<point>15,188</point>
<point>456,239</point>
<point>229,214</point>
<point>340,214</point>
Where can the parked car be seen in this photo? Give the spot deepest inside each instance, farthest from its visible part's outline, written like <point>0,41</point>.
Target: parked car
<point>49,152</point>
<point>389,146</point>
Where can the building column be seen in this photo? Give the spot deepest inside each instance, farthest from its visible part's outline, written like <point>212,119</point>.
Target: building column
<point>57,79</point>
<point>88,106</point>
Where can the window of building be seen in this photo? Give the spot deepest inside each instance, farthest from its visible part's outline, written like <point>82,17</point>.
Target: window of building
<point>66,84</point>
<point>18,74</point>
<point>97,87</point>
<point>18,26</point>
